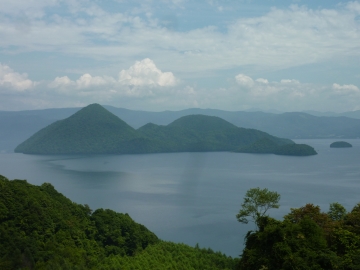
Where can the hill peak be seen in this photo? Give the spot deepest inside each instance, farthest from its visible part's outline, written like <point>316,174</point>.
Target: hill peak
<point>202,122</point>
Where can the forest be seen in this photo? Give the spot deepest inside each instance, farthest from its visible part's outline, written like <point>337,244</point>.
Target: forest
<point>42,229</point>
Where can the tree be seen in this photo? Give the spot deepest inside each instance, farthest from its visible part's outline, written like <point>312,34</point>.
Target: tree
<point>337,211</point>
<point>257,202</point>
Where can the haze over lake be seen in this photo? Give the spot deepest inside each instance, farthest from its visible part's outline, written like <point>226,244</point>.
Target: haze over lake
<point>194,197</point>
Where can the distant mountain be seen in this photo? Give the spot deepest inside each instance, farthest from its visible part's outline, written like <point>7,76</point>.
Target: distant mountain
<point>351,114</point>
<point>17,126</point>
<point>94,130</point>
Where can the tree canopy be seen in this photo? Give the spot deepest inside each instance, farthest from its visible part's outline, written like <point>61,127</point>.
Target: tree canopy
<point>256,203</point>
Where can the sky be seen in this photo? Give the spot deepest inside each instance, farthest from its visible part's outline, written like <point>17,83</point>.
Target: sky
<point>176,54</point>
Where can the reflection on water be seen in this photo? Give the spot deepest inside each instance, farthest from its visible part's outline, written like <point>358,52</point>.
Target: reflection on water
<point>194,197</point>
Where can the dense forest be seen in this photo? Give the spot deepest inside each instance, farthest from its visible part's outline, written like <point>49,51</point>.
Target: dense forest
<point>42,229</point>
<point>94,130</point>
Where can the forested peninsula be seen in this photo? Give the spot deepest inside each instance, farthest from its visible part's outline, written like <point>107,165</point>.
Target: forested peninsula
<point>94,130</point>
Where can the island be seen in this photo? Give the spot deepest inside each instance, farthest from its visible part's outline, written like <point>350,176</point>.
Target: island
<point>95,130</point>
<point>266,146</point>
<point>340,144</point>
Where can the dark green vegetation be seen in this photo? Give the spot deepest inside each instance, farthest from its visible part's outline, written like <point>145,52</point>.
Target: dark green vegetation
<point>306,238</point>
<point>266,146</point>
<point>94,130</point>
<point>256,203</point>
<point>17,126</point>
<point>42,229</point>
<point>340,144</point>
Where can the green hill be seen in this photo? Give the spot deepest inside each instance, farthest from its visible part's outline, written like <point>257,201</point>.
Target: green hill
<point>91,130</point>
<point>340,144</point>
<point>94,130</point>
<point>204,133</point>
<point>42,229</point>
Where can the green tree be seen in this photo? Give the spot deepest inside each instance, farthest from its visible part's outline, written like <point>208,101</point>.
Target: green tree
<point>257,202</point>
<point>337,211</point>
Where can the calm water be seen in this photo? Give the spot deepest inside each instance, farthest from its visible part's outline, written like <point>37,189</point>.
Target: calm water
<point>194,197</point>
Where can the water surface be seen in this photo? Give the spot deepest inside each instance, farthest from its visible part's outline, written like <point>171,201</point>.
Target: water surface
<point>194,197</point>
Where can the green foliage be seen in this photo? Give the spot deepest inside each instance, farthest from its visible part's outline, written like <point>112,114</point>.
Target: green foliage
<point>42,229</point>
<point>94,130</point>
<point>340,144</point>
<point>256,203</point>
<point>337,211</point>
<point>167,255</point>
<point>306,239</point>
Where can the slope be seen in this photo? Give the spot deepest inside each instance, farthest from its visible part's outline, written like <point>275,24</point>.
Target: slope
<point>204,133</point>
<point>92,130</point>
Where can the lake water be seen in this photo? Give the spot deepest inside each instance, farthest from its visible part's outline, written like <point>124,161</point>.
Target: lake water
<point>194,197</point>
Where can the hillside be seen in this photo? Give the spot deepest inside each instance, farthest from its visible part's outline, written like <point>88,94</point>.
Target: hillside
<point>91,130</point>
<point>17,126</point>
<point>94,130</point>
<point>205,133</point>
<point>42,229</point>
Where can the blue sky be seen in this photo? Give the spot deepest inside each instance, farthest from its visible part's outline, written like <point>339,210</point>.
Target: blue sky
<point>178,54</point>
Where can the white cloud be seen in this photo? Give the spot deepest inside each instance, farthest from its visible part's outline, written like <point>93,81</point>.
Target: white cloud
<point>61,82</point>
<point>244,80</point>
<point>278,39</point>
<point>14,80</point>
<point>145,73</point>
<point>346,89</point>
<point>289,81</point>
<point>261,80</point>
<point>86,81</point>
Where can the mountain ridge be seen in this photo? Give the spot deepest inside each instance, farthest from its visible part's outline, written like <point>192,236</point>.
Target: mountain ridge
<point>94,130</point>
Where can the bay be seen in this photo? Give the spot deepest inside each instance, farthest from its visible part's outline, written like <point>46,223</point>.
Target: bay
<point>194,197</point>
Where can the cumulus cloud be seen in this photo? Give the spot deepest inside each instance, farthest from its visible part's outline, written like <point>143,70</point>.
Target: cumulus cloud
<point>145,72</point>
<point>244,80</point>
<point>13,80</point>
<point>143,79</point>
<point>346,89</point>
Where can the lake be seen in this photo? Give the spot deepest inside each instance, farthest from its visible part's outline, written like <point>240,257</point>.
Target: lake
<point>194,197</point>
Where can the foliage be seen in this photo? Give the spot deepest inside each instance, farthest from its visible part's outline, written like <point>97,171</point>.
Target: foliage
<point>306,239</point>
<point>256,203</point>
<point>94,130</point>
<point>168,255</point>
<point>42,229</point>
<point>337,211</point>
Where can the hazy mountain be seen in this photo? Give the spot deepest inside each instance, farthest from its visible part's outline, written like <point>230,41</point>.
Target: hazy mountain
<point>352,114</point>
<point>94,130</point>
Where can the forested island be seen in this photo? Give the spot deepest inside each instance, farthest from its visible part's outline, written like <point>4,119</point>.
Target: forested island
<point>42,229</point>
<point>340,144</point>
<point>94,130</point>
<point>266,146</point>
